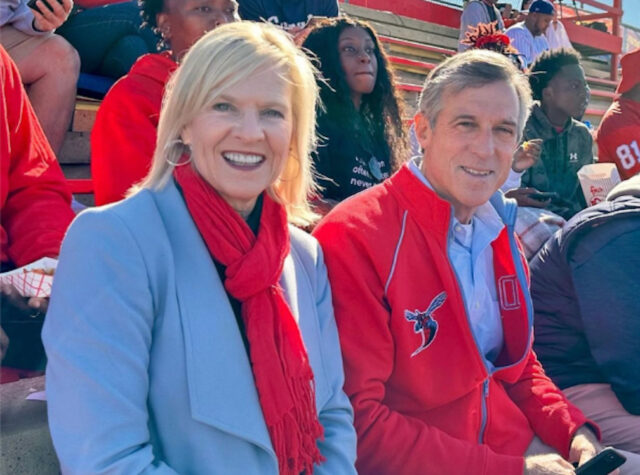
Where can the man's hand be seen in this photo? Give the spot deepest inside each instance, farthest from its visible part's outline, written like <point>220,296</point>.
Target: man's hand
<point>527,154</point>
<point>523,197</point>
<point>50,20</point>
<point>33,305</point>
<point>547,464</point>
<point>585,446</point>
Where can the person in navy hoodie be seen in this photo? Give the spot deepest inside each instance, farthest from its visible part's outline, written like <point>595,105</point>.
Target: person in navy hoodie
<point>291,15</point>
<point>584,285</point>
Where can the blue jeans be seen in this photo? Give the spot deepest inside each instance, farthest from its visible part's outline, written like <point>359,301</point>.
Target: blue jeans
<point>109,39</point>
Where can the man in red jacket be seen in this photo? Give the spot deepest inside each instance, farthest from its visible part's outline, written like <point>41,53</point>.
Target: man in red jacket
<point>35,209</point>
<point>123,138</point>
<point>618,136</point>
<point>431,297</point>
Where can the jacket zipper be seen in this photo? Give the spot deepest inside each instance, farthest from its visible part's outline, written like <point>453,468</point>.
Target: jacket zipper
<point>485,412</point>
<point>485,384</point>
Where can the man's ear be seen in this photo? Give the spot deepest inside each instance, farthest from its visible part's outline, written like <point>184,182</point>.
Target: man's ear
<point>423,129</point>
<point>164,26</point>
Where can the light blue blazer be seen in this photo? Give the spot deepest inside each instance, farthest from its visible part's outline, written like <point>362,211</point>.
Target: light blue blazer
<point>147,370</point>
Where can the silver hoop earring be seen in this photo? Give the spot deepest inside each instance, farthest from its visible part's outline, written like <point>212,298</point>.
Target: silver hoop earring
<point>185,149</point>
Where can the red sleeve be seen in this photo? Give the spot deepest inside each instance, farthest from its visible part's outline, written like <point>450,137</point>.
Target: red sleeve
<point>388,441</point>
<point>553,418</point>
<point>621,145</point>
<point>123,140</point>
<point>36,208</point>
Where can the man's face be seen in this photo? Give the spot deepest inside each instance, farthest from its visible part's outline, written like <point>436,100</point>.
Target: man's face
<point>568,91</point>
<point>539,23</point>
<point>468,153</point>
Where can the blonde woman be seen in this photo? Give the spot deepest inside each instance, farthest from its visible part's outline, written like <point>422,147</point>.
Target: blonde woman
<point>191,327</point>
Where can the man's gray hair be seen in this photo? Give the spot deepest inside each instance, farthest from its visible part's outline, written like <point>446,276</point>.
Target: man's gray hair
<point>473,68</point>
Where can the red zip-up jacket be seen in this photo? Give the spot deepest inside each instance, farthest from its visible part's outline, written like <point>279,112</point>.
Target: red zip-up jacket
<point>432,405</point>
<point>123,137</point>
<point>35,202</point>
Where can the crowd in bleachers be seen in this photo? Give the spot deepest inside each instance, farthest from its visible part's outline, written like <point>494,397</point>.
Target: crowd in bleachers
<point>193,326</point>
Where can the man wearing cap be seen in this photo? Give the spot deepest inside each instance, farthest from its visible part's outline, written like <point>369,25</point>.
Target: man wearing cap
<point>528,35</point>
<point>476,12</point>
<point>618,136</point>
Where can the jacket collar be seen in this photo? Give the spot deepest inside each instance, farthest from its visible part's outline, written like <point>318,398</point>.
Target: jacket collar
<point>544,129</point>
<point>222,395</point>
<point>156,66</point>
<point>428,207</point>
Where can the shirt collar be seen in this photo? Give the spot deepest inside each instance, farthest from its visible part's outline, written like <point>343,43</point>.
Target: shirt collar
<point>486,214</point>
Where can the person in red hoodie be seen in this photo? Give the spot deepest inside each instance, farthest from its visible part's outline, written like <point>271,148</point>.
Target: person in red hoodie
<point>430,292</point>
<point>124,134</point>
<point>618,135</point>
<point>35,210</point>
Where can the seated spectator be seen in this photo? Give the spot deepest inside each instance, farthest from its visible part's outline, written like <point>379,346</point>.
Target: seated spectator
<point>292,16</point>
<point>35,212</point>
<point>476,12</point>
<point>585,288</point>
<point>556,34</point>
<point>362,137</point>
<point>431,297</point>
<point>204,340</point>
<point>124,134</point>
<point>558,84</point>
<point>108,36</point>
<point>528,35</point>
<point>48,64</point>
<point>618,136</point>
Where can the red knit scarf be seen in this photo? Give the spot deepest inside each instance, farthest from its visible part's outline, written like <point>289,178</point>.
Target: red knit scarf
<point>281,370</point>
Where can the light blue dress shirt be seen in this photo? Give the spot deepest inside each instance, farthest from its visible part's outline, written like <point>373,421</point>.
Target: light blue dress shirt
<point>529,46</point>
<point>471,256</point>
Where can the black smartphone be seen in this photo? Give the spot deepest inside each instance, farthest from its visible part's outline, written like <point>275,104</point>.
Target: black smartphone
<point>603,463</point>
<point>544,195</point>
<point>32,4</point>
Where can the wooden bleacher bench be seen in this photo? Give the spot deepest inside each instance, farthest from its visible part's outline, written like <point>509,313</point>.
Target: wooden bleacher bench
<point>75,156</point>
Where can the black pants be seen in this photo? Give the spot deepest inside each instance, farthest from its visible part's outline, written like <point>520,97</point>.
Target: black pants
<point>23,327</point>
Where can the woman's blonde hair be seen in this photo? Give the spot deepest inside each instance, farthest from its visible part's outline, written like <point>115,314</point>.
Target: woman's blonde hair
<point>221,59</point>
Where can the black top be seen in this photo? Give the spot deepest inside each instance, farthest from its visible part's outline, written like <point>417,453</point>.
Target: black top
<point>253,220</point>
<point>286,13</point>
<point>348,160</point>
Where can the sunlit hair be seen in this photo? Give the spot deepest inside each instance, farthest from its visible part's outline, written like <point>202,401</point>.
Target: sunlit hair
<point>218,61</point>
<point>473,68</point>
<point>381,110</point>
